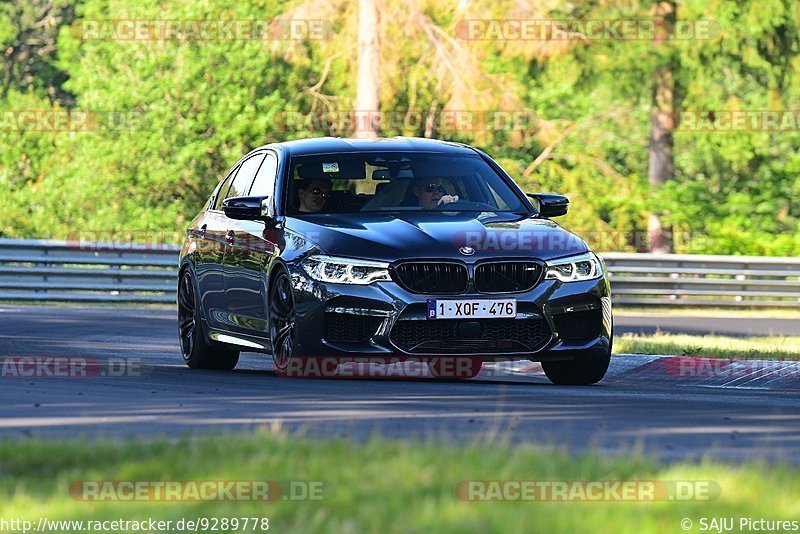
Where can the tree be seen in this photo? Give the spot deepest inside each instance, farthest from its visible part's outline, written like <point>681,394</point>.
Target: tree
<point>600,111</point>
<point>367,102</point>
<point>662,122</point>
<point>28,33</point>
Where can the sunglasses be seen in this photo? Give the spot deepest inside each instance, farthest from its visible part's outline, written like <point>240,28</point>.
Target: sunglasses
<point>317,192</point>
<point>430,188</point>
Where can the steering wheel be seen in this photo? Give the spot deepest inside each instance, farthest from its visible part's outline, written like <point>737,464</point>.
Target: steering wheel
<point>464,204</point>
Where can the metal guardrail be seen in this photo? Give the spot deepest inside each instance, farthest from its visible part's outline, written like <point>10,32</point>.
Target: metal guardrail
<point>39,270</point>
<point>32,270</point>
<point>701,280</point>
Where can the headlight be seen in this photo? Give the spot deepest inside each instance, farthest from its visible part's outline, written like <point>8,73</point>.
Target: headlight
<point>345,270</point>
<point>575,268</point>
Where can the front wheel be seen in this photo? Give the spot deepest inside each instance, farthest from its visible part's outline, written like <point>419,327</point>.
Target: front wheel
<point>282,330</point>
<point>197,352</point>
<point>587,368</point>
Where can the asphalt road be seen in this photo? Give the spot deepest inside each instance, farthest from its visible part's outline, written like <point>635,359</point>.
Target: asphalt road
<point>666,420</point>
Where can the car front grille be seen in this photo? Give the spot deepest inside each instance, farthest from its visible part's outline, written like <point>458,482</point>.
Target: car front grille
<point>579,326</point>
<point>433,278</point>
<point>442,336</point>
<point>348,327</point>
<point>507,276</point>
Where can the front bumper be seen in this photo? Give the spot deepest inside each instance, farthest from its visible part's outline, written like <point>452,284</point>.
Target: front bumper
<point>564,321</point>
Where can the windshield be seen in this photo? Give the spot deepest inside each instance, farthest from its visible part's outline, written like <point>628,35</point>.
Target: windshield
<point>395,181</point>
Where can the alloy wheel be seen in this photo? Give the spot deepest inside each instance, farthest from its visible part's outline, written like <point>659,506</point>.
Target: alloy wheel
<point>186,314</point>
<point>282,321</point>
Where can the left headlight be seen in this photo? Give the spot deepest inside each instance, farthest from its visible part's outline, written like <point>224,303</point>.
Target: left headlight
<point>345,270</point>
<point>575,268</point>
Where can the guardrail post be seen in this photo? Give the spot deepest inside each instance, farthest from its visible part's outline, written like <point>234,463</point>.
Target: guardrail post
<point>43,264</point>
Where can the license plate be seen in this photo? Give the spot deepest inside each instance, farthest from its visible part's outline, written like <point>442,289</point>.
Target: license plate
<point>472,309</point>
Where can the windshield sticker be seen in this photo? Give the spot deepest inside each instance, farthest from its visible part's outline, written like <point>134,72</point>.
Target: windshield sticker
<point>330,167</point>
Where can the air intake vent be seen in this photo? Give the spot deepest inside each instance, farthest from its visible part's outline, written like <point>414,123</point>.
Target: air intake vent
<point>507,276</point>
<point>348,327</point>
<point>577,327</point>
<point>432,278</point>
<point>495,336</point>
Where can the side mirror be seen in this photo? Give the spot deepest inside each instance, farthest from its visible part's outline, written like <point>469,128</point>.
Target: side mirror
<point>550,205</point>
<point>248,208</point>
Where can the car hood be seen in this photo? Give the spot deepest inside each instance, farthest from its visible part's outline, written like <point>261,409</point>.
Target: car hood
<point>462,235</point>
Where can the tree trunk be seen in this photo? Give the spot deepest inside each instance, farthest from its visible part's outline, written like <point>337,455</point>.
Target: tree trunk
<point>367,95</point>
<point>662,127</point>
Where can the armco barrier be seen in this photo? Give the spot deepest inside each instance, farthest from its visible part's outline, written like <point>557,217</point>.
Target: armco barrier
<point>701,280</point>
<point>80,271</point>
<point>46,270</point>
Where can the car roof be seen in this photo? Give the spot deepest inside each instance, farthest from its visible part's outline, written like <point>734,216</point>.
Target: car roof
<point>336,145</point>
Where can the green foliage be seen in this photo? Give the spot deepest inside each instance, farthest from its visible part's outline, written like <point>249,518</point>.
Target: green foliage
<point>28,33</point>
<point>193,107</point>
<point>382,485</point>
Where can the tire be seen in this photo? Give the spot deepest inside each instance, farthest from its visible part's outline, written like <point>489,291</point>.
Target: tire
<point>588,368</point>
<point>282,321</point>
<point>455,367</point>
<point>196,351</point>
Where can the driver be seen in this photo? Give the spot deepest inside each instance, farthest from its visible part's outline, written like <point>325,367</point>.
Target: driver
<point>313,195</point>
<point>430,192</point>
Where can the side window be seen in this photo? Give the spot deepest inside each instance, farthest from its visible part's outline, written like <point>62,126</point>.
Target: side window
<point>219,196</point>
<point>264,185</point>
<point>244,178</point>
<point>498,200</point>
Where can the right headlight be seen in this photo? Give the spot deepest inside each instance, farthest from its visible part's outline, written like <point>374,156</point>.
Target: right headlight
<point>345,270</point>
<point>585,266</point>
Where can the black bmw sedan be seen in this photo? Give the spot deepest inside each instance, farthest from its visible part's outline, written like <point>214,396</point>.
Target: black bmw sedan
<point>393,250</point>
